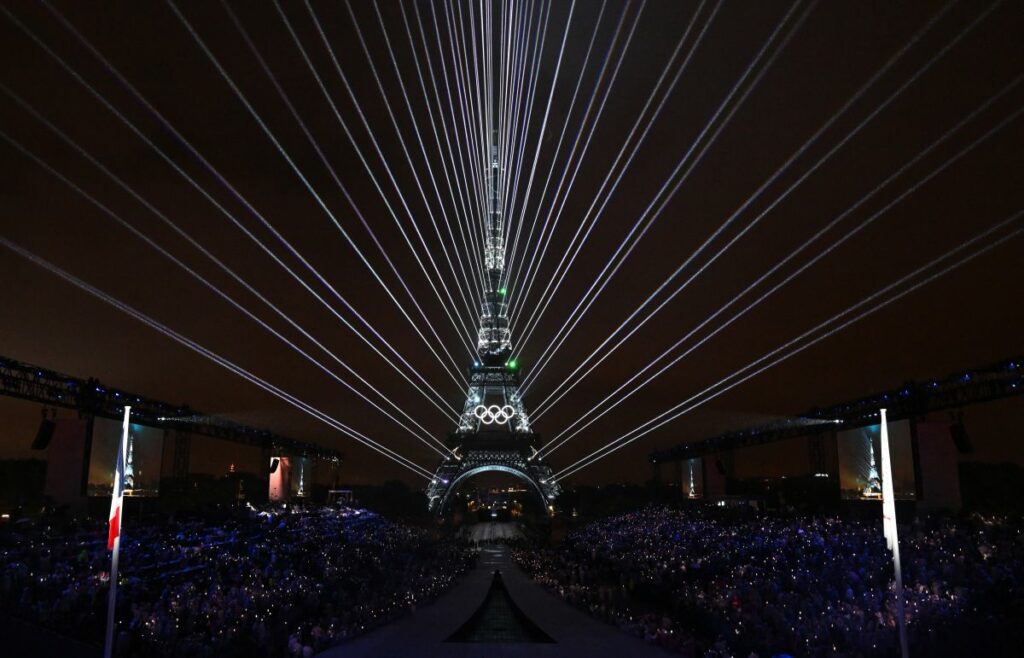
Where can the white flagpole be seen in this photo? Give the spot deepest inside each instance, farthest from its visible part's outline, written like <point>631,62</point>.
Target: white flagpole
<point>116,500</point>
<point>889,529</point>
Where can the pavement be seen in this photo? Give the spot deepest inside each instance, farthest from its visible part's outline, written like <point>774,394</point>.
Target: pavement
<point>424,633</point>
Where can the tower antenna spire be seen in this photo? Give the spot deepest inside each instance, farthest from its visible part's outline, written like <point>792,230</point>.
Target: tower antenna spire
<point>494,339</point>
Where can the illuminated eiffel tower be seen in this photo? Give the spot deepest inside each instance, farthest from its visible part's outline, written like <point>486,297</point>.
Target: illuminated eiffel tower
<point>494,432</point>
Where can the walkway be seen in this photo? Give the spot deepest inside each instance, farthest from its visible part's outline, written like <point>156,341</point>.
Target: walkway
<point>424,633</point>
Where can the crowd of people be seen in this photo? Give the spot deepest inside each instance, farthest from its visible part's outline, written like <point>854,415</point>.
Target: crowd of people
<point>711,584</point>
<point>699,582</point>
<point>281,582</point>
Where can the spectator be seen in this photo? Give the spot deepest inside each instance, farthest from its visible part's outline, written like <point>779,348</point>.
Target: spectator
<point>708,583</point>
<point>275,583</point>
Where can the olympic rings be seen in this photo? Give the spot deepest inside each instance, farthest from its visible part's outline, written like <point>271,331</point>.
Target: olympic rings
<point>494,414</point>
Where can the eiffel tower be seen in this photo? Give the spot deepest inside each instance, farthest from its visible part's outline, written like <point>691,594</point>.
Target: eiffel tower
<point>494,431</point>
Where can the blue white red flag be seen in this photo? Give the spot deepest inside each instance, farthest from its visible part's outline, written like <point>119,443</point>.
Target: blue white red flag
<point>117,500</point>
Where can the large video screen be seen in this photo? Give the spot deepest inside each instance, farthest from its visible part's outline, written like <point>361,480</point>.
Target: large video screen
<point>860,462</point>
<point>693,478</point>
<point>302,473</point>
<point>142,470</point>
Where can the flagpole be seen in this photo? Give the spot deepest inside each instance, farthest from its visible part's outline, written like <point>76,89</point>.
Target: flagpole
<point>889,529</point>
<point>115,532</point>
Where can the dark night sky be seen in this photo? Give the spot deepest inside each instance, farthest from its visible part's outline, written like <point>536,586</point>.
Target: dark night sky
<point>970,317</point>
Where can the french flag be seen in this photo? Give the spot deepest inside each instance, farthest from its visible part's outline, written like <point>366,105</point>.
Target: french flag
<point>117,500</point>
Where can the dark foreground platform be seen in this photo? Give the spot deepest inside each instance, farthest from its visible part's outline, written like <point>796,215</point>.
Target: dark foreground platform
<point>428,632</point>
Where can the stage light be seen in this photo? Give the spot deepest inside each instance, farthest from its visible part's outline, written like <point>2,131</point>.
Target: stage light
<point>373,68</point>
<point>795,273</point>
<point>237,195</point>
<point>420,140</point>
<point>522,131</point>
<point>693,402</point>
<point>536,155</point>
<point>216,358</point>
<point>227,298</point>
<point>319,200</point>
<point>664,194</point>
<point>457,319</point>
<point>472,257</point>
<point>529,271</point>
<point>541,364</point>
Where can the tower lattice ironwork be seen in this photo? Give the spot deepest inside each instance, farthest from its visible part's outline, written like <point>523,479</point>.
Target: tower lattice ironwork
<point>494,432</point>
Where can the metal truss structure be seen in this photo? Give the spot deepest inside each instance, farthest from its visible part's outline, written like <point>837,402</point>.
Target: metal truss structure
<point>994,382</point>
<point>494,432</point>
<point>92,397</point>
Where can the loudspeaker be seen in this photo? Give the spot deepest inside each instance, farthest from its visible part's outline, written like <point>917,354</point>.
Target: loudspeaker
<point>720,466</point>
<point>960,439</point>
<point>274,463</point>
<point>44,434</point>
